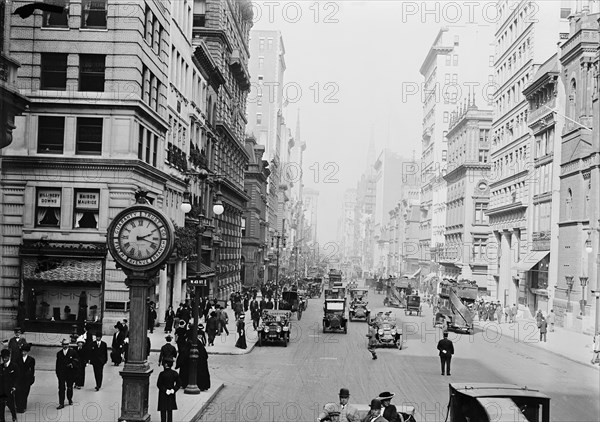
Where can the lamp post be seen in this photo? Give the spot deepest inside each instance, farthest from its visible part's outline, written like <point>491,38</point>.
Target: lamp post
<point>200,280</point>
<point>278,237</point>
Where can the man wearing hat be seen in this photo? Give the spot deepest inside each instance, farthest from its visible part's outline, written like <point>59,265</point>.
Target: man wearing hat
<point>390,412</point>
<point>66,364</point>
<point>26,378</point>
<point>82,360</point>
<point>98,358</point>
<point>9,374</point>
<point>15,345</point>
<point>347,412</point>
<point>375,414</point>
<point>168,383</point>
<point>446,348</point>
<point>168,351</point>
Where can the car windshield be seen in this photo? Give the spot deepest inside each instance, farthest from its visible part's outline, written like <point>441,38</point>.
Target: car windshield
<point>335,306</point>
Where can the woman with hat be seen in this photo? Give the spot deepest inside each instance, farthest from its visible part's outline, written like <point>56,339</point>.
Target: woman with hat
<point>116,354</point>
<point>390,413</point>
<point>168,383</point>
<point>241,330</point>
<point>375,414</point>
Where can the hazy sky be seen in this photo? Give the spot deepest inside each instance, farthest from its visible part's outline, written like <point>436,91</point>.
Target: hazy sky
<point>350,60</point>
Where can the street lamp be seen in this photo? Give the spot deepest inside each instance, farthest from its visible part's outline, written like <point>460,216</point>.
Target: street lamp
<point>278,237</point>
<point>569,279</point>
<point>583,280</point>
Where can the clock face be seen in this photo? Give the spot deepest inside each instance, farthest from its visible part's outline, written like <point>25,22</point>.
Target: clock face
<point>139,238</point>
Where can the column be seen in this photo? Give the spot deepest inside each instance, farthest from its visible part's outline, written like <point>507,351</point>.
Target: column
<point>177,285</point>
<point>505,264</point>
<point>162,295</point>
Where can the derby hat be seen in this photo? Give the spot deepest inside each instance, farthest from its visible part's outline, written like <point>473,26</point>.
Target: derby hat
<point>65,341</point>
<point>26,347</point>
<point>375,404</point>
<point>169,337</point>
<point>344,392</point>
<point>18,330</point>
<point>386,395</point>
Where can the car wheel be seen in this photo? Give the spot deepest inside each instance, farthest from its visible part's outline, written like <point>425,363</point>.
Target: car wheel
<point>345,330</point>
<point>284,342</point>
<point>259,342</point>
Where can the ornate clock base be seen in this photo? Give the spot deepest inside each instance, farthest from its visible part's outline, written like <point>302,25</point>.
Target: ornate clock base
<point>136,386</point>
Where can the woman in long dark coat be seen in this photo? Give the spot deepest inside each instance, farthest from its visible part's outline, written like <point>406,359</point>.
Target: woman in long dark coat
<point>183,362</point>
<point>168,383</point>
<point>117,345</point>
<point>203,376</point>
<point>169,318</point>
<point>241,330</point>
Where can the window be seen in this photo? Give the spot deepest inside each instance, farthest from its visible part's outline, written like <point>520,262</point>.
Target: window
<point>48,208</point>
<point>261,62</point>
<point>155,151</point>
<point>260,77</point>
<point>448,59</point>
<point>491,61</point>
<point>444,155</point>
<point>141,143</point>
<point>51,135</point>
<point>59,20</point>
<point>483,155</point>
<point>54,71</point>
<point>148,145</point>
<point>480,216</point>
<point>259,118</point>
<point>269,43</point>
<point>91,72</point>
<point>479,246</point>
<point>261,44</point>
<point>89,136</point>
<point>455,60</point>
<point>85,212</point>
<point>93,14</point>
<point>456,40</point>
<point>445,117</point>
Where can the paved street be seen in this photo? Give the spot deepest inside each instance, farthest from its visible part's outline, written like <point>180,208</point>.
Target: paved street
<point>274,383</point>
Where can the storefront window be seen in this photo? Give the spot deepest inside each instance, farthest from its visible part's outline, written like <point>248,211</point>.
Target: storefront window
<point>539,274</point>
<point>86,208</point>
<point>48,208</point>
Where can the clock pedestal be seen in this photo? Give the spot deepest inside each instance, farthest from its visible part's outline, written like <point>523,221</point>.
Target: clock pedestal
<point>136,373</point>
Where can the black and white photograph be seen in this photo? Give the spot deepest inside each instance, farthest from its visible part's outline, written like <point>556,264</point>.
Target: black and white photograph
<point>300,210</point>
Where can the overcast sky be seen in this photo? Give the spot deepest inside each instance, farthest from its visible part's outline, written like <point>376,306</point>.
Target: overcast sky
<point>350,60</point>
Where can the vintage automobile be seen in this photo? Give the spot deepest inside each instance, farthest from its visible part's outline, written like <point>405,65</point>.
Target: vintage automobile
<point>334,318</point>
<point>275,327</point>
<point>413,304</point>
<point>497,402</point>
<point>289,301</point>
<point>407,411</point>
<point>385,331</point>
<point>358,305</point>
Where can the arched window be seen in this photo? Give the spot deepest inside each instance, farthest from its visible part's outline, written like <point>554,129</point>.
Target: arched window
<point>569,204</point>
<point>573,100</point>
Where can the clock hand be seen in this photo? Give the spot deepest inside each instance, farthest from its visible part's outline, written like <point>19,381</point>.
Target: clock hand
<point>143,237</point>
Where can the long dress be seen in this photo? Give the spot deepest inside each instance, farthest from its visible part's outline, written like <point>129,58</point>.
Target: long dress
<point>169,318</point>
<point>203,376</point>
<point>241,341</point>
<point>117,347</point>
<point>183,362</point>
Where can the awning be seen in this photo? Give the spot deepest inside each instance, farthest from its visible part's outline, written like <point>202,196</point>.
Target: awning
<point>62,269</point>
<point>205,270</point>
<point>416,273</point>
<point>530,260</point>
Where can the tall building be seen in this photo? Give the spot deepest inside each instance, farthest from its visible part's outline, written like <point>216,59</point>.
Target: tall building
<point>347,239</point>
<point>94,134</point>
<point>579,203</point>
<point>467,228</point>
<point>311,207</point>
<point>223,26</point>
<point>453,72</point>
<point>522,45</point>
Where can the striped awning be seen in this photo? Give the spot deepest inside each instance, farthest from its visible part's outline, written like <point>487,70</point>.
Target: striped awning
<point>66,270</point>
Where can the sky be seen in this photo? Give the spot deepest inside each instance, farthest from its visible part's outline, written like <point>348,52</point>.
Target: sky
<point>349,64</point>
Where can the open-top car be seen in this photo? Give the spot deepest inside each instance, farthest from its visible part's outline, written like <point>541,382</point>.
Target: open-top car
<point>289,301</point>
<point>385,332</point>
<point>275,327</point>
<point>413,304</point>
<point>334,318</point>
<point>358,305</point>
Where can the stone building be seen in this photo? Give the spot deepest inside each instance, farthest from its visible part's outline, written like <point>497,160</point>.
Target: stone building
<point>465,254</point>
<point>578,224</point>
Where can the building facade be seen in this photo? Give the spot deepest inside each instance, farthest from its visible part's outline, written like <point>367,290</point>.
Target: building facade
<point>522,45</point>
<point>577,272</point>
<point>466,250</point>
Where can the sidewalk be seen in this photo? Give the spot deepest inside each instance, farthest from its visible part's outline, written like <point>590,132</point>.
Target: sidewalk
<point>224,345</point>
<point>105,405</point>
<point>571,345</point>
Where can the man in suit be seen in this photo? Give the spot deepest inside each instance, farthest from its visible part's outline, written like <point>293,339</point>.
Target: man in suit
<point>346,412</point>
<point>26,378</point>
<point>9,374</point>
<point>254,312</point>
<point>15,345</point>
<point>98,358</point>
<point>168,383</point>
<point>446,348</point>
<point>390,412</point>
<point>375,412</point>
<point>66,365</point>
<point>82,360</point>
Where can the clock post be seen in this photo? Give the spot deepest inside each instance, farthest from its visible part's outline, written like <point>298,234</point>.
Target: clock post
<point>140,239</point>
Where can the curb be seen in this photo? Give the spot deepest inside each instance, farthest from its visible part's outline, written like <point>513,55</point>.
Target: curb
<point>535,345</point>
<point>197,417</point>
<point>242,352</point>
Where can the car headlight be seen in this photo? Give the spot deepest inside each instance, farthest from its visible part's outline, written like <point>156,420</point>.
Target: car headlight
<point>380,332</point>
<point>266,329</point>
<point>278,329</point>
<point>393,332</point>
<point>286,328</point>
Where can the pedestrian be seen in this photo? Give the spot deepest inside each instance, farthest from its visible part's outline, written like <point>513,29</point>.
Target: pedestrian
<point>168,384</point>
<point>98,358</point>
<point>254,312</point>
<point>514,312</point>
<point>181,334</point>
<point>25,380</point>
<point>224,319</point>
<point>169,318</point>
<point>9,374</point>
<point>201,334</point>
<point>507,313</point>
<point>262,305</point>
<point>167,351</point>
<point>151,317</point>
<point>82,360</point>
<point>375,413</point>
<point>212,327</point>
<point>596,349</point>
<point>499,312</point>
<point>446,348</point>
<point>241,331</point>
<point>202,372</point>
<point>270,304</point>
<point>125,328</point>
<point>347,412</point>
<point>372,335</point>
<point>15,344</point>
<point>183,362</point>
<point>538,317</point>
<point>238,309</point>
<point>66,366</point>
<point>543,328</point>
<point>551,319</point>
<point>390,412</point>
<point>116,354</point>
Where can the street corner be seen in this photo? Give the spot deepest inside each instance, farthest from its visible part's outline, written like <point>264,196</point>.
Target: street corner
<point>197,415</point>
